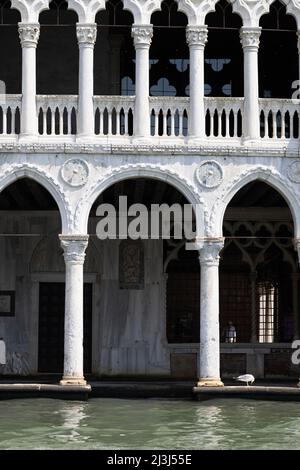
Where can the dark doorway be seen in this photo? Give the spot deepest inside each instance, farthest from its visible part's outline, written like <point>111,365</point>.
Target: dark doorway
<point>51,327</point>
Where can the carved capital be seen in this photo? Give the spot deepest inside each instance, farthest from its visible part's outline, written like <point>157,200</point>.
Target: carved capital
<point>86,33</point>
<point>250,38</point>
<point>209,252</point>
<point>142,34</point>
<point>196,35</point>
<point>74,247</point>
<point>29,34</point>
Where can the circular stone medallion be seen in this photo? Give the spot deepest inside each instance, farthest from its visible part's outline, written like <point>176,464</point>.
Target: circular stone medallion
<point>294,171</point>
<point>209,174</point>
<point>75,172</point>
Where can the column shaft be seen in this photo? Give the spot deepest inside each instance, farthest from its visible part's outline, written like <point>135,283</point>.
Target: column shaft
<point>142,36</point>
<point>251,121</point>
<point>29,36</point>
<point>209,315</point>
<point>196,38</point>
<point>253,276</point>
<point>86,35</point>
<point>74,254</point>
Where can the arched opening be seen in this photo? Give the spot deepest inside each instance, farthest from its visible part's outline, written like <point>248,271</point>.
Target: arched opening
<point>259,300</point>
<point>278,55</point>
<point>139,298</point>
<point>223,72</point>
<point>10,70</point>
<point>32,281</point>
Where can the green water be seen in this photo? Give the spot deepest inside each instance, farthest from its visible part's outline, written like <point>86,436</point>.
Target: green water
<point>148,424</point>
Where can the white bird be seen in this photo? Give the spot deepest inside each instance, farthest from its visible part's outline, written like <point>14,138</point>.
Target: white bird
<point>245,378</point>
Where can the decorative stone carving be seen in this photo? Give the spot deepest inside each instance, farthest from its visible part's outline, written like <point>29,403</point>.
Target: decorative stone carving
<point>86,9</point>
<point>250,10</point>
<point>196,35</point>
<point>210,252</point>
<point>196,10</point>
<point>131,264</point>
<point>209,174</point>
<point>30,9</point>
<point>74,247</point>
<point>75,172</point>
<point>294,171</point>
<point>142,9</point>
<point>250,37</point>
<point>142,35</point>
<point>86,33</point>
<point>29,34</point>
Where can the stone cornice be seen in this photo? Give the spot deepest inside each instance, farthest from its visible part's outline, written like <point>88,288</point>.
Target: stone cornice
<point>142,34</point>
<point>86,33</point>
<point>29,34</point>
<point>196,35</point>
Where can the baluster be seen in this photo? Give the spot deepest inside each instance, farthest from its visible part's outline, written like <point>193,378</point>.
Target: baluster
<point>274,125</point>
<point>211,115</point>
<point>13,120</point>
<point>172,123</point>
<point>219,133</point>
<point>180,130</point>
<point>118,122</point>
<point>44,111</point>
<point>52,122</point>
<point>4,121</point>
<point>61,120</point>
<point>235,122</point>
<point>164,123</point>
<point>101,117</point>
<point>227,127</point>
<point>126,121</point>
<point>69,121</point>
<point>282,125</point>
<point>109,123</point>
<point>156,122</point>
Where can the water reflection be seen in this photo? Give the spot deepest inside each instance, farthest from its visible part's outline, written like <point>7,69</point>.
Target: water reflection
<point>148,424</point>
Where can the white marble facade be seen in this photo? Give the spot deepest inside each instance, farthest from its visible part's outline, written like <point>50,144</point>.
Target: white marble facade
<point>129,326</point>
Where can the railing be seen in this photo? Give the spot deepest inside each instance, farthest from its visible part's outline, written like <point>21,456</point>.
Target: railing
<point>57,115</point>
<point>279,118</point>
<point>10,112</point>
<point>224,117</point>
<point>113,115</point>
<point>169,116</point>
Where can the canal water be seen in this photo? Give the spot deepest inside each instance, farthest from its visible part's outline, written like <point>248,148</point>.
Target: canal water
<point>148,424</point>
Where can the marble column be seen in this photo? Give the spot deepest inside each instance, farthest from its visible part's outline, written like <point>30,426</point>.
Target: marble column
<point>253,276</point>
<point>86,36</point>
<point>251,121</point>
<point>29,35</point>
<point>209,314</point>
<point>74,253</point>
<point>196,37</point>
<point>142,36</point>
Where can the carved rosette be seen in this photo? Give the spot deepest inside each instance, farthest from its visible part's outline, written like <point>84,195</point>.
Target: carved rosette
<point>210,252</point>
<point>196,35</point>
<point>250,37</point>
<point>29,34</point>
<point>142,35</point>
<point>86,33</point>
<point>74,247</point>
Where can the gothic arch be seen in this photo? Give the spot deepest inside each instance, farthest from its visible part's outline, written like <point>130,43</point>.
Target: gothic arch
<point>19,171</point>
<point>138,171</point>
<point>266,175</point>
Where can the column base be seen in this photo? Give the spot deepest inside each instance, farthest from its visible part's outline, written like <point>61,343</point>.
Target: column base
<point>210,382</point>
<point>72,381</point>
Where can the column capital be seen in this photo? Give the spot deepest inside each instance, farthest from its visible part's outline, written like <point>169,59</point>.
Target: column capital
<point>142,34</point>
<point>196,35</point>
<point>209,251</point>
<point>74,247</point>
<point>86,33</point>
<point>29,34</point>
<point>250,37</point>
